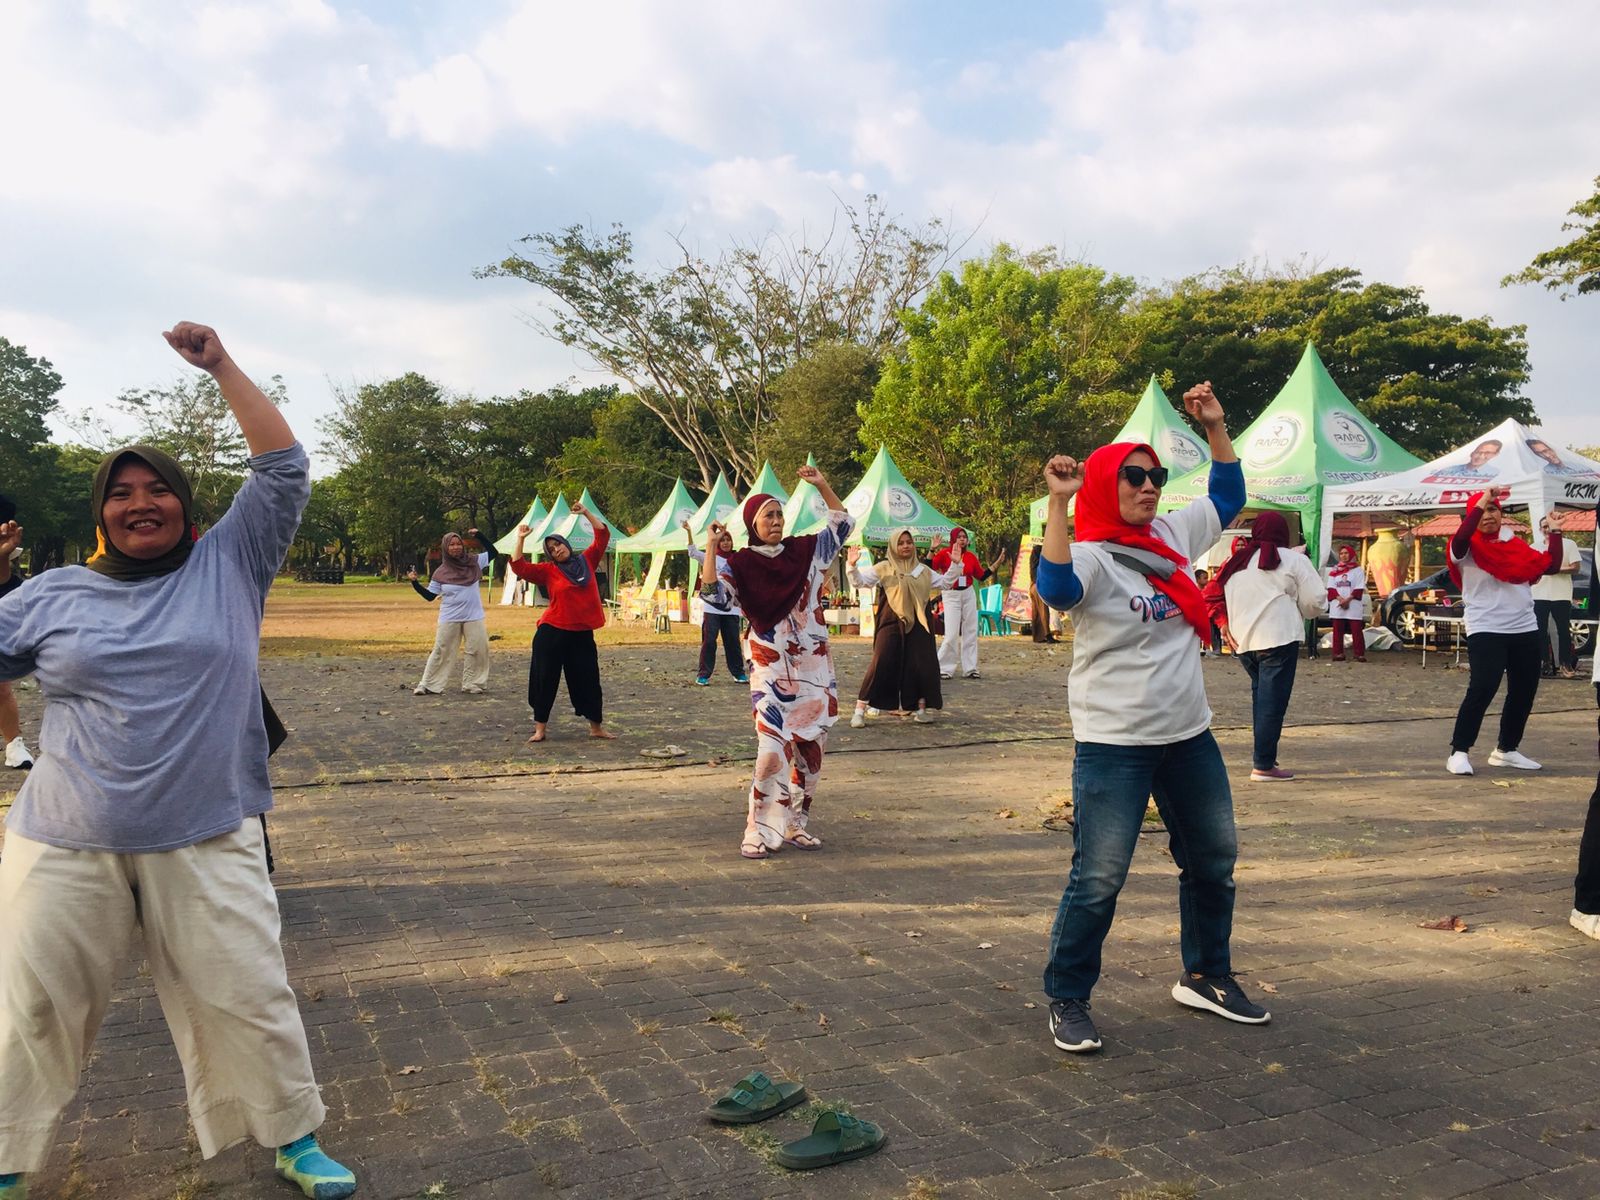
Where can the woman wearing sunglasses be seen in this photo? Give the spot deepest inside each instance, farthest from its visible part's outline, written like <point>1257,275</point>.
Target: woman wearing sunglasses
<point>1139,714</point>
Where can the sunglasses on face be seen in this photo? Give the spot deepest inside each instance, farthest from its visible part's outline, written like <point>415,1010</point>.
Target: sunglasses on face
<point>1137,475</point>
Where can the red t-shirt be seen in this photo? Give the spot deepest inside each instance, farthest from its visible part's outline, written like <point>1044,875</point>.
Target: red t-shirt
<point>971,569</point>
<point>571,607</point>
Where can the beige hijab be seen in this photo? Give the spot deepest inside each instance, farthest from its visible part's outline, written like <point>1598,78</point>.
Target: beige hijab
<point>907,589</point>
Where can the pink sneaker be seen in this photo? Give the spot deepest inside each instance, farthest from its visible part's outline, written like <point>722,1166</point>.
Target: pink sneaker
<point>1270,775</point>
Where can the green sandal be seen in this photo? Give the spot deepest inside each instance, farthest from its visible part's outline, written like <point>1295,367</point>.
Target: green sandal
<point>835,1138</point>
<point>755,1098</point>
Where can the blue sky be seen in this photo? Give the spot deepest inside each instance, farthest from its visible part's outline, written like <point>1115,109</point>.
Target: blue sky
<point>320,179</point>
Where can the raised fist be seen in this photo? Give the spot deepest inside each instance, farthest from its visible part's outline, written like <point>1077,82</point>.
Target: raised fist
<point>1063,475</point>
<point>198,344</point>
<point>1202,404</point>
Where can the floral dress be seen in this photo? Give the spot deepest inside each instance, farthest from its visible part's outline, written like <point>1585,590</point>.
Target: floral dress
<point>794,697</point>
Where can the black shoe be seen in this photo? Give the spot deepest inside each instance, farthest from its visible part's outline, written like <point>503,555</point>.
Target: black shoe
<point>1071,1027</point>
<point>1221,995</point>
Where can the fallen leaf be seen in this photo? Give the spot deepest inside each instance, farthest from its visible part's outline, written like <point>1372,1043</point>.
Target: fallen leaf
<point>1505,783</point>
<point>1029,1004</point>
<point>985,945</point>
<point>805,917</point>
<point>1005,814</point>
<point>914,933</point>
<point>1270,989</point>
<point>559,998</point>
<point>822,1020</point>
<point>1450,924</point>
<point>1004,987</point>
<point>409,1070</point>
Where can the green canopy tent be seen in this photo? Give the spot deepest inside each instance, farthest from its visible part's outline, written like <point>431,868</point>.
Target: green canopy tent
<point>767,483</point>
<point>1155,422</point>
<point>719,505</point>
<point>804,511</point>
<point>534,516</point>
<point>577,531</point>
<point>661,533</point>
<point>1309,438</point>
<point>884,501</point>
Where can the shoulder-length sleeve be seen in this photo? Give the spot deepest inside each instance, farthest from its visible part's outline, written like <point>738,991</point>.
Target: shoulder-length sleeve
<point>832,535</point>
<point>948,577</point>
<point>533,572</point>
<point>597,548</point>
<point>16,643</point>
<point>864,573</point>
<point>260,524</point>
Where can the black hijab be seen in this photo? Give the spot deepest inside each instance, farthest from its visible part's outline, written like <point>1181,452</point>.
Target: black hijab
<point>576,568</point>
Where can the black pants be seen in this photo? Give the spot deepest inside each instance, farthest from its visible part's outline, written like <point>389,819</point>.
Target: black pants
<point>1271,681</point>
<point>570,650</point>
<point>1586,887</point>
<point>713,625</point>
<point>1491,656</point>
<point>1561,610</point>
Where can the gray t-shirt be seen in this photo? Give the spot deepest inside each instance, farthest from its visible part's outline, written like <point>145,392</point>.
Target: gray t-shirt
<point>152,737</point>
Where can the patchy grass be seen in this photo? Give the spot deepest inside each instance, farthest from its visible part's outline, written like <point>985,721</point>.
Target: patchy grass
<point>1184,1190</point>
<point>922,1189</point>
<point>726,1018</point>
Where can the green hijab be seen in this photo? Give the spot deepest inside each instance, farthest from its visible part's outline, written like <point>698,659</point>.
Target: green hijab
<point>107,559</point>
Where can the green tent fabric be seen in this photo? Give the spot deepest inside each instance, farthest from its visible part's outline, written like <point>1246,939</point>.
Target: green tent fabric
<point>554,521</point>
<point>1155,422</point>
<point>804,511</point>
<point>767,481</point>
<point>536,513</point>
<point>662,531</point>
<point>884,501</point>
<point>720,505</point>
<point>1310,437</point>
<point>573,527</point>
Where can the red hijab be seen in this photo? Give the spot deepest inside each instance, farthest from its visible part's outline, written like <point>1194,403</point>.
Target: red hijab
<point>1344,568</point>
<point>770,584</point>
<point>1099,519</point>
<point>1269,533</point>
<point>1510,561</point>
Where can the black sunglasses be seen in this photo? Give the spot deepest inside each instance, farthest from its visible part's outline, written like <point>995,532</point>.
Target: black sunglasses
<point>1137,475</point>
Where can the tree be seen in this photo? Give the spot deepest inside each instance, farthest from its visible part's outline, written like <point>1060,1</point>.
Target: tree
<point>29,388</point>
<point>1429,380</point>
<point>700,342</point>
<point>326,522</point>
<point>816,406</point>
<point>628,463</point>
<point>1017,358</point>
<point>1577,264</point>
<point>386,438</point>
<point>191,421</point>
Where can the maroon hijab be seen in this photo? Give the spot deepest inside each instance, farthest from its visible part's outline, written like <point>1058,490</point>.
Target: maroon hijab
<point>769,585</point>
<point>1268,533</point>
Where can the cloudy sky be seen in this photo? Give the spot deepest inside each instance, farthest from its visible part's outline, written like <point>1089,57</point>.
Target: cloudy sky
<point>319,179</point>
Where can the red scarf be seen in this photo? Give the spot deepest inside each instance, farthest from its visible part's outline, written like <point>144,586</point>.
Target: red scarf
<point>1510,561</point>
<point>1099,519</point>
<point>1342,567</point>
<point>1268,532</point>
<point>769,585</point>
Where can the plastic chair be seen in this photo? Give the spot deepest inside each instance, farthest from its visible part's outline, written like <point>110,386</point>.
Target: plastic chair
<point>990,619</point>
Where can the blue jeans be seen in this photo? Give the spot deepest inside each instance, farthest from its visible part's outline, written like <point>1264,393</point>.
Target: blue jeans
<point>1110,788</point>
<point>1271,680</point>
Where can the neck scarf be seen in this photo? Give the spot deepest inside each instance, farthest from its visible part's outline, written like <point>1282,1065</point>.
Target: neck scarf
<point>1344,568</point>
<point>459,568</point>
<point>1099,519</point>
<point>906,587</point>
<point>107,559</point>
<point>1269,532</point>
<point>770,580</point>
<point>1509,561</point>
<point>576,568</point>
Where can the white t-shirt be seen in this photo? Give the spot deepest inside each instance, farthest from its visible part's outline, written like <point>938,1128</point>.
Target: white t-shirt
<point>460,601</point>
<point>1492,605</point>
<point>709,606</point>
<point>1135,678</point>
<point>1353,581</point>
<point>1559,586</point>
<point>1267,609</point>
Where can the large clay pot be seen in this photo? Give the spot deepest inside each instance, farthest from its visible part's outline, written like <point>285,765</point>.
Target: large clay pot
<point>1386,562</point>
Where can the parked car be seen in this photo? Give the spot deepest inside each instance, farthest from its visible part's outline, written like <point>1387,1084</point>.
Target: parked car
<point>1401,607</point>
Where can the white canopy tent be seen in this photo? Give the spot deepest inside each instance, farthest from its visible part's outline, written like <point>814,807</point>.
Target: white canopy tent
<point>1542,476</point>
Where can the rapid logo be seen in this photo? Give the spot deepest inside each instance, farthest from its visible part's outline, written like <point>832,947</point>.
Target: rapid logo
<point>902,505</point>
<point>1272,443</point>
<point>1181,451</point>
<point>1345,430</point>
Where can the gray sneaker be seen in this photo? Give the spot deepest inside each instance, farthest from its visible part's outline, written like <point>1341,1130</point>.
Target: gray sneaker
<point>1070,1027</point>
<point>1219,994</point>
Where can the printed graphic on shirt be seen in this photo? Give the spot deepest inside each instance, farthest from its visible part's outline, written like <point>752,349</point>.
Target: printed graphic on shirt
<point>1153,608</point>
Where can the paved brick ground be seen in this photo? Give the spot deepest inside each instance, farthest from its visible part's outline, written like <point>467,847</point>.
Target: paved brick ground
<point>529,986</point>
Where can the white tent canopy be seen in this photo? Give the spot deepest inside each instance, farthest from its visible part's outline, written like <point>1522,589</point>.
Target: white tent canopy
<point>1541,476</point>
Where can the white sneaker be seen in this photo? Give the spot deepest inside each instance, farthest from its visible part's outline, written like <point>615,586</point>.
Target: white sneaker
<point>1512,758</point>
<point>944,674</point>
<point>17,755</point>
<point>1459,764</point>
<point>1587,924</point>
<point>858,720</point>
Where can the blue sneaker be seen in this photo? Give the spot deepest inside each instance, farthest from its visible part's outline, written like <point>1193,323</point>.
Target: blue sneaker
<point>741,679</point>
<point>702,681</point>
<point>303,1163</point>
<point>13,1187</point>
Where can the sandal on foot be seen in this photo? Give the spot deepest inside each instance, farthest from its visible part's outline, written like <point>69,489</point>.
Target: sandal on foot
<point>754,850</point>
<point>801,840</point>
<point>835,1138</point>
<point>755,1098</point>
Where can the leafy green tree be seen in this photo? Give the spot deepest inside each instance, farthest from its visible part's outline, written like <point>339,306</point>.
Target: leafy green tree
<point>700,342</point>
<point>628,463</point>
<point>816,405</point>
<point>386,438</point>
<point>1574,265</point>
<point>326,522</point>
<point>1016,358</point>
<point>56,512</point>
<point>1429,380</point>
<point>29,390</point>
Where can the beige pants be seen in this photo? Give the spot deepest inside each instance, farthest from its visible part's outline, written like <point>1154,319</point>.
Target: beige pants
<point>210,922</point>
<point>474,663</point>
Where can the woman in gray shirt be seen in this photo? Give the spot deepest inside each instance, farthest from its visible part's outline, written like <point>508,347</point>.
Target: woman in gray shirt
<point>142,806</point>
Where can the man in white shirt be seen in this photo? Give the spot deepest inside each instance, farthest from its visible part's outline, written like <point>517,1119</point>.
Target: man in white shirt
<point>1268,593</point>
<point>1552,600</point>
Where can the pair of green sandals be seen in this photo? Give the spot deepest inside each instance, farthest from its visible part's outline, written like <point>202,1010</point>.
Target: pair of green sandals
<point>835,1138</point>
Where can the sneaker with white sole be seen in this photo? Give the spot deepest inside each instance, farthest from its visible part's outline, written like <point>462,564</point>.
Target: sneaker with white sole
<point>1219,994</point>
<point>1070,1027</point>
<point>1587,924</point>
<point>1458,763</point>
<point>1512,758</point>
<point>858,720</point>
<point>17,756</point>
